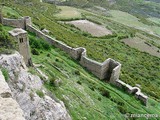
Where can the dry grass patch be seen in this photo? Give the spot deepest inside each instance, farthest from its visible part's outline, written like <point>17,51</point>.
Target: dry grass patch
<point>142,45</point>
<point>68,12</point>
<point>90,27</point>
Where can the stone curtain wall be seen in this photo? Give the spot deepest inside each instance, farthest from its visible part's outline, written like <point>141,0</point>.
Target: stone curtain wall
<point>98,69</point>
<point>19,23</point>
<point>109,70</point>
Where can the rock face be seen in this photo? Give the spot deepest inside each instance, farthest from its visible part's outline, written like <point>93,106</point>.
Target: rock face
<point>9,108</point>
<point>24,87</point>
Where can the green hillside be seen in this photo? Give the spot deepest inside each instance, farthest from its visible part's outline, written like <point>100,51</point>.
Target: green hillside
<point>143,8</point>
<point>84,95</point>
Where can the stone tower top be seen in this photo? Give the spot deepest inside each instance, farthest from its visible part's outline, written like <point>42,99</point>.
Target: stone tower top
<point>17,31</point>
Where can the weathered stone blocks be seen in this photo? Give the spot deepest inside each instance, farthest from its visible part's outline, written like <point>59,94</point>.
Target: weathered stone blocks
<point>108,70</point>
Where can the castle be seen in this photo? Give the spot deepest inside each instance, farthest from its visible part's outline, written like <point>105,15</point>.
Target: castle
<point>108,70</point>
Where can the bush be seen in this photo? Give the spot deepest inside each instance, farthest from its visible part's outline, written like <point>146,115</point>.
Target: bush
<point>48,55</point>
<point>31,96</point>
<point>5,73</point>
<point>35,52</point>
<point>39,44</point>
<point>40,93</point>
<point>52,81</point>
<point>77,72</point>
<point>1,27</point>
<point>99,98</point>
<point>106,94</point>
<point>121,109</point>
<point>6,41</point>
<point>91,87</point>
<point>79,82</point>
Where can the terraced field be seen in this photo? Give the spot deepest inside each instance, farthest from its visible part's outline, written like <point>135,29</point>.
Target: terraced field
<point>90,27</point>
<point>142,45</point>
<point>132,21</point>
<point>68,12</point>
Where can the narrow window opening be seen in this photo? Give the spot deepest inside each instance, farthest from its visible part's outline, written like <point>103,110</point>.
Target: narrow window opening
<point>21,40</point>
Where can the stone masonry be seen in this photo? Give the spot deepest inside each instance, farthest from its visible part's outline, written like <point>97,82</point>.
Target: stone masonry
<point>108,70</point>
<point>21,36</point>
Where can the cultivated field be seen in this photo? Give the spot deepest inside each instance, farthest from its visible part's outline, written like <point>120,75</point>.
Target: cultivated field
<point>132,21</point>
<point>142,45</point>
<point>155,20</point>
<point>82,93</point>
<point>90,27</point>
<point>68,12</point>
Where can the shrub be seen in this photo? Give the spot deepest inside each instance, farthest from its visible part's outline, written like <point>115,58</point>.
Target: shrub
<point>1,28</point>
<point>35,52</point>
<point>40,93</point>
<point>5,73</point>
<point>122,109</point>
<point>77,72</point>
<point>39,43</point>
<point>52,81</point>
<point>6,41</point>
<point>48,55</point>
<point>106,94</point>
<point>79,82</point>
<point>31,96</point>
<point>99,98</point>
<point>91,87</point>
<point>124,88</point>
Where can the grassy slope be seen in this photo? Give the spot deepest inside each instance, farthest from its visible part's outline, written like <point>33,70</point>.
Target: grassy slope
<point>82,101</point>
<point>68,13</point>
<point>82,94</point>
<point>137,67</point>
<point>135,7</point>
<point>129,20</point>
<point>9,12</point>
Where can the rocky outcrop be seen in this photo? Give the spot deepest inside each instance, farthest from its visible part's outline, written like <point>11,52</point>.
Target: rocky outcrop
<point>24,87</point>
<point>9,108</point>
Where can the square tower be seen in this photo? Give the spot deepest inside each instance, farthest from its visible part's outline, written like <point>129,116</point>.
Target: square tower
<point>23,43</point>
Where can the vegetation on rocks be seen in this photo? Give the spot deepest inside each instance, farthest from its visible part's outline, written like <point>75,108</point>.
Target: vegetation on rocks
<point>7,44</point>
<point>85,96</point>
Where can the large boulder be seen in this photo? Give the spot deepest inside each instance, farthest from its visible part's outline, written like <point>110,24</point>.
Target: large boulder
<point>24,87</point>
<point>9,108</point>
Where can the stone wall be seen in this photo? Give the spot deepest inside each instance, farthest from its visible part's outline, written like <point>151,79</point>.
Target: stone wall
<point>98,69</point>
<point>114,69</point>
<point>18,23</point>
<point>10,110</point>
<point>108,70</point>
<point>132,90</point>
<point>73,52</point>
